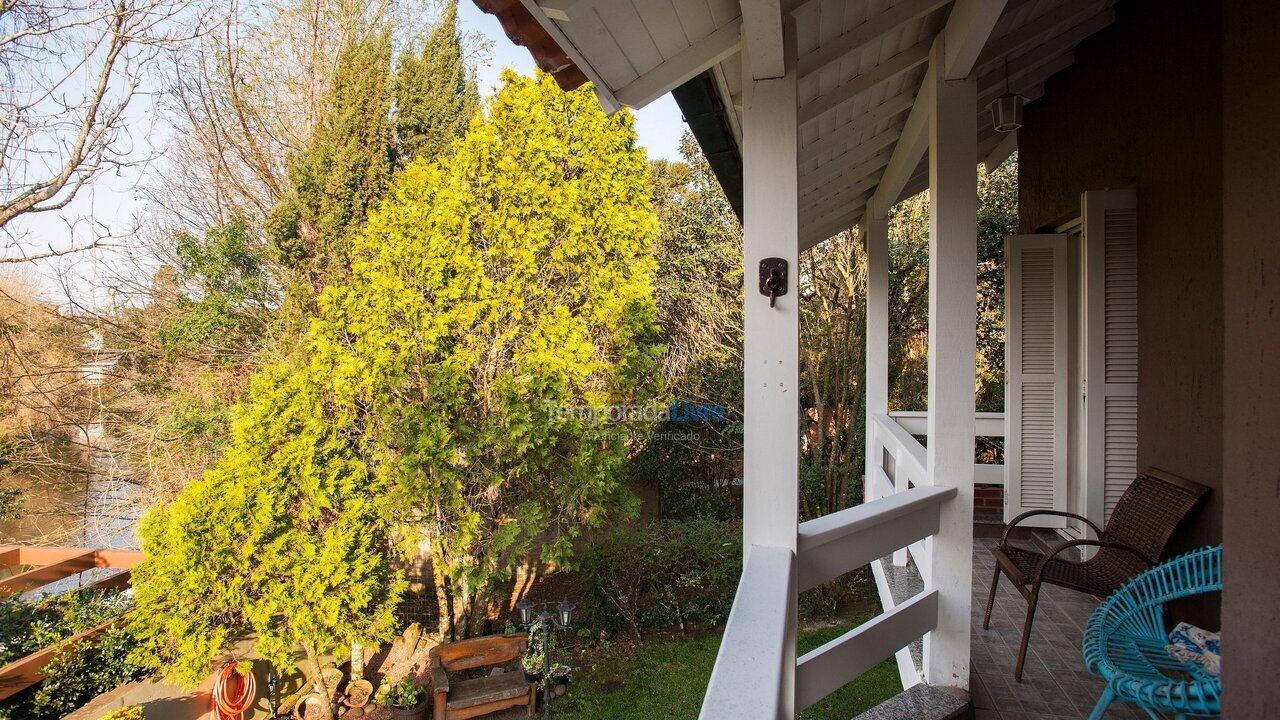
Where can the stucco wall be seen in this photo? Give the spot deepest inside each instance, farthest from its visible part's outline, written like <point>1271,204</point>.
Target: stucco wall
<point>1251,258</point>
<point>1141,105</point>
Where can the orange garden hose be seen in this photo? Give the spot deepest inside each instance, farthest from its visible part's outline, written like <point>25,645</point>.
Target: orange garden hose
<point>245,687</point>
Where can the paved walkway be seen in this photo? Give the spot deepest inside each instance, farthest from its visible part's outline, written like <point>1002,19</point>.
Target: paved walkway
<point>1054,684</point>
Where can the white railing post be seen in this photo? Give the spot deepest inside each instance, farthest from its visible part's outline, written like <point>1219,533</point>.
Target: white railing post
<point>876,229</point>
<point>871,490</point>
<point>952,346</point>
<point>771,347</point>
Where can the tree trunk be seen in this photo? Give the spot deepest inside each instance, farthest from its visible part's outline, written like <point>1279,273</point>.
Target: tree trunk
<point>444,606</point>
<point>478,616</point>
<point>316,675</point>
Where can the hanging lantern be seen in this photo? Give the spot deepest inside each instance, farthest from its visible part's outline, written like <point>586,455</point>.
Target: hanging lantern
<point>1006,112</point>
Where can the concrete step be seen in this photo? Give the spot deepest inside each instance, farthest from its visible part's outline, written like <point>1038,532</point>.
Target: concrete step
<point>921,702</point>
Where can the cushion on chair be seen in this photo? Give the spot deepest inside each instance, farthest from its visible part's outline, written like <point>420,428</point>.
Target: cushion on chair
<point>478,691</point>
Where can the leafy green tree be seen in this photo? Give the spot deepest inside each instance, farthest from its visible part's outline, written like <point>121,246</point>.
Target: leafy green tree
<point>698,292</point>
<point>345,168</point>
<point>832,356</point>
<point>226,295</point>
<point>909,290</point>
<point>435,95</point>
<point>997,218</point>
<point>833,343</point>
<point>432,399</point>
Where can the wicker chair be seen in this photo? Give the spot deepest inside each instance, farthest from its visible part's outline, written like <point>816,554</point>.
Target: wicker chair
<point>1125,639</point>
<point>1134,539</point>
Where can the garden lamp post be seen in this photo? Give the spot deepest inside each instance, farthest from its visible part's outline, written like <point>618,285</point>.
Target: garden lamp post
<point>548,622</point>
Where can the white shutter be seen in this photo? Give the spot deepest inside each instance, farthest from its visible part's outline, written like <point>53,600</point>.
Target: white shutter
<point>1036,393</point>
<point>1111,342</point>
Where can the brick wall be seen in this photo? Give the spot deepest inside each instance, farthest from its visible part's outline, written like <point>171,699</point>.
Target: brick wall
<point>988,497</point>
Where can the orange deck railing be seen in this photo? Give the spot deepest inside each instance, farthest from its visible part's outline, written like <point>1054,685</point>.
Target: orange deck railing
<point>40,566</point>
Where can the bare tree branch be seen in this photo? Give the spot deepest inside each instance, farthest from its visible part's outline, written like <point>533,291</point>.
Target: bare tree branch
<point>73,69</point>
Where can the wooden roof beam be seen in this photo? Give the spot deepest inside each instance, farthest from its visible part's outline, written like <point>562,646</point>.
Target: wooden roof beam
<point>762,36</point>
<point>868,32</point>
<point>821,229</point>
<point>689,62</point>
<point>911,147</point>
<point>847,163</point>
<point>968,28</point>
<point>1007,146</point>
<point>607,99</point>
<point>1032,58</point>
<point>824,198</point>
<point>840,166</point>
<point>838,204</point>
<point>1026,78</point>
<point>1020,38</point>
<point>558,10</point>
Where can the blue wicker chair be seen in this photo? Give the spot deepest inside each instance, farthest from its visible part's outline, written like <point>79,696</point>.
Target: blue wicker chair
<point>1125,638</point>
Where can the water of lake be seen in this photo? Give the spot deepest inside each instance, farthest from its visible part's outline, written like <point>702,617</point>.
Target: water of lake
<point>85,505</point>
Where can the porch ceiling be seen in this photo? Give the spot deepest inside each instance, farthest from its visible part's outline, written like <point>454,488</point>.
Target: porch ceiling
<point>860,65</point>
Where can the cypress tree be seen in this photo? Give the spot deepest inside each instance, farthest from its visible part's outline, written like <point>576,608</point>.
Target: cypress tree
<point>345,168</point>
<point>435,95</point>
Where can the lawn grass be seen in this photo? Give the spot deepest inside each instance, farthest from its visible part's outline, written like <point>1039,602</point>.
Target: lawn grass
<point>666,679</point>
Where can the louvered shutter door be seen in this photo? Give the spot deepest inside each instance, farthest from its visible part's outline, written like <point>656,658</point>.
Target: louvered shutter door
<point>1111,342</point>
<point>1036,376</point>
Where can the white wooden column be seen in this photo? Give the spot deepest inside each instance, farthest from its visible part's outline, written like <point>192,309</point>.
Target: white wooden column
<point>953,215</point>
<point>771,344</point>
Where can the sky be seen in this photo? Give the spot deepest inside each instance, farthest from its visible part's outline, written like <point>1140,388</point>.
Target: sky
<point>112,204</point>
<point>659,124</point>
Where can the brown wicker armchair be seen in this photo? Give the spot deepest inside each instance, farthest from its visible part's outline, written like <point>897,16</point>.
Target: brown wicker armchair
<point>1140,526</point>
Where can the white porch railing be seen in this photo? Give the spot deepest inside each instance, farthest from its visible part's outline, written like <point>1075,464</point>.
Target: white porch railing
<point>987,424</point>
<point>748,678</point>
<point>743,684</point>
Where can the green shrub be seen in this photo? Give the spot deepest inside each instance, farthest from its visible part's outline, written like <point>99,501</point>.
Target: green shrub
<point>28,626</point>
<point>694,469</point>
<point>671,572</point>
<point>662,574</point>
<point>77,672</point>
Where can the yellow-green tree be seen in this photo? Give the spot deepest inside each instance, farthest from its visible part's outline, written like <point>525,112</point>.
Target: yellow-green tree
<point>489,292</point>
<point>493,292</point>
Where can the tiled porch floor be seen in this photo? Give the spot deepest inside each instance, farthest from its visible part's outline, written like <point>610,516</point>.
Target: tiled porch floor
<point>1054,682</point>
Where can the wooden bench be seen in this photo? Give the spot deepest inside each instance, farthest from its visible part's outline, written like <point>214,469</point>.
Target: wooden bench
<point>461,699</point>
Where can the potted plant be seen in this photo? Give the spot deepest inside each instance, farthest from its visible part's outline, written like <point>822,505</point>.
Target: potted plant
<point>358,693</point>
<point>405,699</point>
<point>533,664</point>
<point>560,673</point>
<point>133,712</point>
